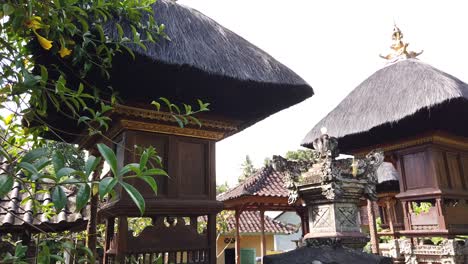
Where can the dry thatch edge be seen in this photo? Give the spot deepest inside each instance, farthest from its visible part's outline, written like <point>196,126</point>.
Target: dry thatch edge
<point>370,104</point>
<point>202,43</point>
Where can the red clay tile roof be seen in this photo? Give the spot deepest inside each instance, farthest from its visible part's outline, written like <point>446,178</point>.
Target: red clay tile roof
<point>265,182</point>
<point>250,223</point>
<point>15,216</point>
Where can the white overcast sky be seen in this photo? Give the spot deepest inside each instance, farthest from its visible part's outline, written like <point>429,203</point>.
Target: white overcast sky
<point>334,46</point>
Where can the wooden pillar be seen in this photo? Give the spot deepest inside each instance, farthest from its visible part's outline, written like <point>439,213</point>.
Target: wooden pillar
<point>262,226</point>
<point>441,213</point>
<point>303,214</point>
<point>237,216</point>
<point>406,216</point>
<point>212,237</point>
<point>390,216</point>
<point>122,236</point>
<point>109,235</point>
<point>372,227</point>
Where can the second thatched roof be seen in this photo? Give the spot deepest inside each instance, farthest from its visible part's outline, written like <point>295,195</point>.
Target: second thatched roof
<point>402,99</point>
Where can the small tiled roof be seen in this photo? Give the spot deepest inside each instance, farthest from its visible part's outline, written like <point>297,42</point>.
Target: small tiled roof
<point>265,182</point>
<point>249,222</point>
<point>15,216</point>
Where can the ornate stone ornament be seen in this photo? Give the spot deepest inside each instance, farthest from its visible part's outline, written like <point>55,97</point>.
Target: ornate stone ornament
<point>331,189</point>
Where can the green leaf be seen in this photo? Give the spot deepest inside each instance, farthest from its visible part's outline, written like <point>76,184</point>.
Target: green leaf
<point>91,165</point>
<point>119,30</point>
<point>8,9</point>
<point>135,195</point>
<point>82,196</point>
<point>106,185</point>
<point>151,182</point>
<point>43,256</point>
<point>28,167</point>
<point>102,37</point>
<point>57,257</point>
<point>64,172</point>
<point>6,183</point>
<point>34,154</point>
<point>58,161</point>
<point>144,160</point>
<point>155,171</point>
<point>109,157</point>
<point>59,198</point>
<point>135,167</point>
<point>157,105</point>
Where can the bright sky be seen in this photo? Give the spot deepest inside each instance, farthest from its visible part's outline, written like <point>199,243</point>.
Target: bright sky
<point>334,46</point>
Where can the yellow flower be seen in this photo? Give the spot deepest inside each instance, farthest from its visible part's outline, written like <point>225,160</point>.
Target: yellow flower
<point>64,52</point>
<point>45,43</point>
<point>34,23</point>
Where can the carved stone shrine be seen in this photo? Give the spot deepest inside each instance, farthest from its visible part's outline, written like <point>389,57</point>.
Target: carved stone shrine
<point>331,190</point>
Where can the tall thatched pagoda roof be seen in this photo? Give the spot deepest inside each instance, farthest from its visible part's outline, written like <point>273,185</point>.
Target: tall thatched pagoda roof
<point>203,60</point>
<point>403,99</point>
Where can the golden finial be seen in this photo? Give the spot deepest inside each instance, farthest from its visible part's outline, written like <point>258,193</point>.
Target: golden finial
<point>399,48</point>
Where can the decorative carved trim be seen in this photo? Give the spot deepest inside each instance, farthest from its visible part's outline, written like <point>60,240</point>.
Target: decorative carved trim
<point>436,138</point>
<point>173,130</point>
<point>167,117</point>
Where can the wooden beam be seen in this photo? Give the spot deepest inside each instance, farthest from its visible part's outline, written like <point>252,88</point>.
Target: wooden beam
<point>237,216</point>
<point>372,227</point>
<point>262,226</point>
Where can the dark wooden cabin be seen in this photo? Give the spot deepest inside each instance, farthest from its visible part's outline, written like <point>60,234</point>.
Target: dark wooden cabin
<point>203,60</point>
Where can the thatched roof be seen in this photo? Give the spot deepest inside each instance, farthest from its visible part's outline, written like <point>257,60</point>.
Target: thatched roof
<point>408,95</point>
<point>202,60</point>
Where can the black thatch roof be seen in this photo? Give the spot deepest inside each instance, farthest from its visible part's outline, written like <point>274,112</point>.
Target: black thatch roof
<point>203,60</point>
<point>402,99</point>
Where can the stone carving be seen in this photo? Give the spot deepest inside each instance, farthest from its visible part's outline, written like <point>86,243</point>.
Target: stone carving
<point>329,172</point>
<point>347,216</point>
<point>292,170</point>
<point>321,217</point>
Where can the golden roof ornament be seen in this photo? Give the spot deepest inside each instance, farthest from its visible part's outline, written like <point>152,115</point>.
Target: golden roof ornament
<point>399,48</point>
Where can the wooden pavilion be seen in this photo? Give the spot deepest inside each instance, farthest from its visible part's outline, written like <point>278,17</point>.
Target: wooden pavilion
<point>202,60</point>
<point>419,116</point>
<point>263,191</point>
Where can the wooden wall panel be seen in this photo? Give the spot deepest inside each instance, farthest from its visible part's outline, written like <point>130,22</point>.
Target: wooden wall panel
<point>416,171</point>
<point>161,144</point>
<point>441,169</point>
<point>454,173</point>
<point>464,168</point>
<point>192,168</point>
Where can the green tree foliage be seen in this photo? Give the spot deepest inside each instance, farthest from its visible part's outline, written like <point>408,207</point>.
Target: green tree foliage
<point>300,155</point>
<point>247,168</point>
<point>221,188</point>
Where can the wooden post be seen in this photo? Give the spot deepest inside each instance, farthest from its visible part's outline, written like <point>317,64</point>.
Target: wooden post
<point>441,212</point>
<point>390,216</point>
<point>91,229</point>
<point>262,225</point>
<point>237,216</point>
<point>122,236</point>
<point>212,237</point>
<point>109,235</point>
<point>372,227</point>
